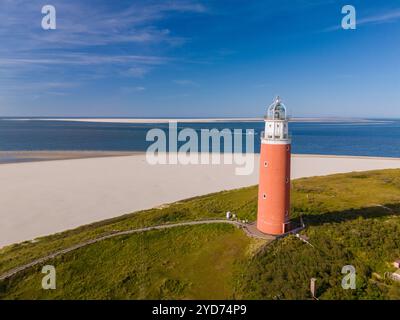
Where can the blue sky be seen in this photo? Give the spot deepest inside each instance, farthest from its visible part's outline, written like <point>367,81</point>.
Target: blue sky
<point>199,58</point>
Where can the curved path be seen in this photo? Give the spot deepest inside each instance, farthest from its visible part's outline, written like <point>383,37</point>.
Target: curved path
<point>16,270</point>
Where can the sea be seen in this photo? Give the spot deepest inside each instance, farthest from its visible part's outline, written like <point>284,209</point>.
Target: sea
<point>375,137</point>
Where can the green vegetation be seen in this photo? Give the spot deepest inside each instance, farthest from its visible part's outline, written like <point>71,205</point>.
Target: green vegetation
<point>352,219</point>
<point>144,266</point>
<point>242,201</point>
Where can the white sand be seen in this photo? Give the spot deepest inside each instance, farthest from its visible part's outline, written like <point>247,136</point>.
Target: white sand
<point>41,198</point>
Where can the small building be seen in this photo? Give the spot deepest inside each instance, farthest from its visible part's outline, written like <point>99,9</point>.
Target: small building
<point>228,215</point>
<point>397,263</point>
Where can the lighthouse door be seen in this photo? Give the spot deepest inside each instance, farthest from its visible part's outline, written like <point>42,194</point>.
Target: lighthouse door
<point>286,227</point>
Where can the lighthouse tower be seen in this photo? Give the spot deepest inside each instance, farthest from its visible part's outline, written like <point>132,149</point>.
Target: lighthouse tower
<point>274,180</point>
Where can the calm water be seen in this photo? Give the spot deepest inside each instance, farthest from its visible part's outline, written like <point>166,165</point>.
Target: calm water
<point>380,138</point>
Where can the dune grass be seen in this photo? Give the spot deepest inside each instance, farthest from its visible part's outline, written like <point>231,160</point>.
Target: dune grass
<point>242,201</point>
<point>352,219</point>
<point>145,266</point>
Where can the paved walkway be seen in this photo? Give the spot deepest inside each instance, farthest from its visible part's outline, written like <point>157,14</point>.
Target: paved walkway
<point>251,232</point>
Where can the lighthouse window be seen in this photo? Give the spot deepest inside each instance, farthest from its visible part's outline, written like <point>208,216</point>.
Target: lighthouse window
<point>287,180</point>
<point>287,148</point>
<point>264,196</point>
<point>287,212</point>
<point>265,163</point>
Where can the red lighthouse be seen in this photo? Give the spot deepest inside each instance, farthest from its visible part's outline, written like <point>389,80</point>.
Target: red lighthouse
<point>274,180</point>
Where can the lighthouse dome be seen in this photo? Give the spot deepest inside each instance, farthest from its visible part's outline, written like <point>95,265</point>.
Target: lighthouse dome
<point>277,110</point>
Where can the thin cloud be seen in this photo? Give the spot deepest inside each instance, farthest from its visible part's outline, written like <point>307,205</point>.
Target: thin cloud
<point>381,18</point>
<point>387,17</point>
<point>31,89</point>
<point>129,90</point>
<point>40,85</point>
<point>106,25</point>
<point>28,51</point>
<point>136,72</point>
<point>86,59</point>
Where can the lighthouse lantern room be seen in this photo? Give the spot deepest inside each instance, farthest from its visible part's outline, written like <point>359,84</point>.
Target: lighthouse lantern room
<point>273,215</point>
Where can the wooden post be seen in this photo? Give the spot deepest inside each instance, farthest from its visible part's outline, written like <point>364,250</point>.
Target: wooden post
<point>312,288</point>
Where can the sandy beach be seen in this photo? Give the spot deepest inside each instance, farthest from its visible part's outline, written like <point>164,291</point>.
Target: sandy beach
<point>31,156</point>
<point>41,198</point>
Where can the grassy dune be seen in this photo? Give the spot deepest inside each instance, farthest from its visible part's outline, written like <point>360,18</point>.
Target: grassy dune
<point>146,266</point>
<point>352,219</point>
